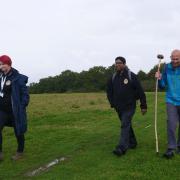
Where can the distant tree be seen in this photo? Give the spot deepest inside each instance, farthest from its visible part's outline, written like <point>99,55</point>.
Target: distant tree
<point>141,75</point>
<point>152,72</point>
<point>95,79</point>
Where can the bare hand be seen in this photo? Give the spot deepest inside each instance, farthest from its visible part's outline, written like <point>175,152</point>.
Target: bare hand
<point>158,75</point>
<point>143,111</point>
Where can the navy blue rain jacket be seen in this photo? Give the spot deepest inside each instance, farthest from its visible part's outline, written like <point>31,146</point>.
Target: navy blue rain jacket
<point>20,100</point>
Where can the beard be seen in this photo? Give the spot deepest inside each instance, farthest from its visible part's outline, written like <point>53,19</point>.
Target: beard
<point>175,64</point>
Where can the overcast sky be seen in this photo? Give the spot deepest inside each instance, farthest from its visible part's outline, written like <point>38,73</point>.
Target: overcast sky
<point>46,37</point>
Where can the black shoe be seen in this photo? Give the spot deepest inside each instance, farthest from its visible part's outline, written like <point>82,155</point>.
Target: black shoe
<point>178,150</point>
<point>119,152</point>
<point>132,146</point>
<point>168,154</point>
<point>1,156</point>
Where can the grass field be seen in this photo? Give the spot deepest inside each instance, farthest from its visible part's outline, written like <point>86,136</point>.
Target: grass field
<point>82,128</point>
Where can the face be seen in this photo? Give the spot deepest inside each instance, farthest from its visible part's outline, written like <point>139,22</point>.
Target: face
<point>4,67</point>
<point>175,58</point>
<point>0,65</point>
<point>119,65</point>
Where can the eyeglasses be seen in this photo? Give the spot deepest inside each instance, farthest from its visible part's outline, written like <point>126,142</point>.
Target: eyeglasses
<point>119,63</point>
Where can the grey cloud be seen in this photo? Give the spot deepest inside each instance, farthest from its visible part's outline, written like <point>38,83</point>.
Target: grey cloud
<point>46,37</point>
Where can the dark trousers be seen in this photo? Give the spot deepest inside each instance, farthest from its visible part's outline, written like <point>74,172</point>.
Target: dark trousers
<point>6,119</point>
<point>127,136</point>
<point>173,113</point>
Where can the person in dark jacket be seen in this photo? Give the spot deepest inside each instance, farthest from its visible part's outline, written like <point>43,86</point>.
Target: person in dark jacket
<point>14,98</point>
<point>123,90</point>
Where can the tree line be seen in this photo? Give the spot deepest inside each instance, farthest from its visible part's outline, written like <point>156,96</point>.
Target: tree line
<point>92,80</point>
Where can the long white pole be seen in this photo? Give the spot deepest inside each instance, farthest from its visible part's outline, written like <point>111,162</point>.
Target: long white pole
<point>155,122</point>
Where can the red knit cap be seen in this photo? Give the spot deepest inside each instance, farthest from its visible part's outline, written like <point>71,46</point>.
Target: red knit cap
<point>6,60</point>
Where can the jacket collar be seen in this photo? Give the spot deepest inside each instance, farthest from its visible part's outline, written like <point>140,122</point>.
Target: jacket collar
<point>124,71</point>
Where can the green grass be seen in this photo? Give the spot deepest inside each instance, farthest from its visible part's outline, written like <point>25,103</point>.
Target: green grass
<point>84,129</point>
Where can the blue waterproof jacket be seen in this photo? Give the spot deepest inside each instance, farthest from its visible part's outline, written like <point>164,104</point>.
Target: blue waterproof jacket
<point>171,82</point>
<point>20,99</point>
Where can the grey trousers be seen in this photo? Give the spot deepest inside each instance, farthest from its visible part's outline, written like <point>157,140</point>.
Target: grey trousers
<point>173,113</point>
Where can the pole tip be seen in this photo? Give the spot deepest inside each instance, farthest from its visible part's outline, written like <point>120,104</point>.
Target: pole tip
<point>160,56</point>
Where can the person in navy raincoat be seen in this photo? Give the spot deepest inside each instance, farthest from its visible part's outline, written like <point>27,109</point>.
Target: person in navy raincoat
<point>14,98</point>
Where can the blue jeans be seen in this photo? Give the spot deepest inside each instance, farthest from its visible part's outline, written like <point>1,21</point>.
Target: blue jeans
<point>6,119</point>
<point>173,113</point>
<point>127,136</point>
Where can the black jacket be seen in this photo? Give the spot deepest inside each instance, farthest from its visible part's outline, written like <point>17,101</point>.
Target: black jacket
<point>5,102</point>
<point>123,92</point>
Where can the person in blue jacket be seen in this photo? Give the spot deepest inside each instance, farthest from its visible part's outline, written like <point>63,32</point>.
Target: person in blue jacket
<point>14,98</point>
<point>170,80</point>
